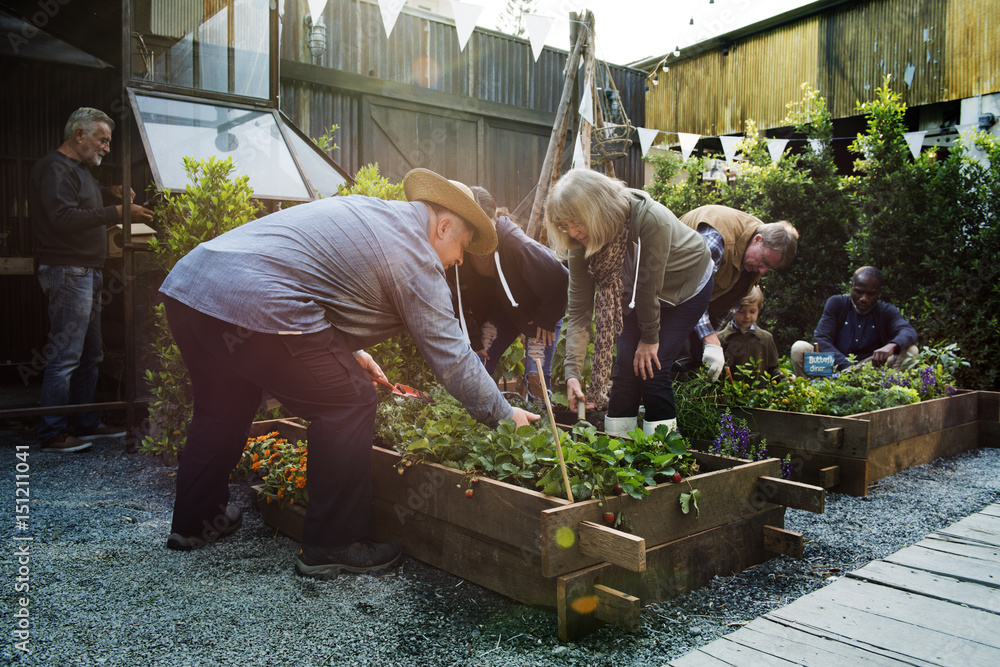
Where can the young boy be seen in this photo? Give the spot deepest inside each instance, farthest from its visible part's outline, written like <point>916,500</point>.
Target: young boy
<point>742,340</point>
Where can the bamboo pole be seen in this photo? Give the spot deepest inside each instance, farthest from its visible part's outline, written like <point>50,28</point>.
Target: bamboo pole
<point>555,430</point>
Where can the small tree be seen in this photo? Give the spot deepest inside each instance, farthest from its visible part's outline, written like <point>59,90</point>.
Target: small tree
<point>511,19</point>
<point>211,205</point>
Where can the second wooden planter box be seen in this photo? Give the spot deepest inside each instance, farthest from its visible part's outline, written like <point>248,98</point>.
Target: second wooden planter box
<point>847,453</point>
<point>546,551</point>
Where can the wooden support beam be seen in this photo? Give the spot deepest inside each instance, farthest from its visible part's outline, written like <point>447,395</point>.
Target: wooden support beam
<point>781,541</point>
<point>613,546</point>
<point>834,437</point>
<point>617,608</point>
<point>558,137</point>
<point>793,494</point>
<point>829,477</point>
<point>17,266</point>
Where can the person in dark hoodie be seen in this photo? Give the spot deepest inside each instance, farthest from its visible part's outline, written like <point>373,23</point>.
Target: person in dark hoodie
<point>653,276</point>
<point>520,289</point>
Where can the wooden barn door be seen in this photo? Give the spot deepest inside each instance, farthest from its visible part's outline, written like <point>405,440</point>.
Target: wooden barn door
<point>400,136</point>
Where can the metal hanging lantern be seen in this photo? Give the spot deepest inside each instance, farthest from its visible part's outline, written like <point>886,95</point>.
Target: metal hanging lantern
<point>611,137</point>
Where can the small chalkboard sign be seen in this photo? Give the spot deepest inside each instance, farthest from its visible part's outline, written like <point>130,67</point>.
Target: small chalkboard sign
<point>818,364</point>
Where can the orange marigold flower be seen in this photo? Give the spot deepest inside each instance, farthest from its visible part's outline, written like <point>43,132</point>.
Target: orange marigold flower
<point>300,483</point>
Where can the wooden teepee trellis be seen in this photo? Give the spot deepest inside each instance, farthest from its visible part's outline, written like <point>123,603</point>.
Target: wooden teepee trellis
<point>610,135</point>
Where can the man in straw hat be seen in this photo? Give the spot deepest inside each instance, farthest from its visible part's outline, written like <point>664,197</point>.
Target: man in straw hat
<point>285,304</point>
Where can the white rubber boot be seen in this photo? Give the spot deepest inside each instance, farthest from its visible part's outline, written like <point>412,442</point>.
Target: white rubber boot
<point>649,428</point>
<point>619,426</point>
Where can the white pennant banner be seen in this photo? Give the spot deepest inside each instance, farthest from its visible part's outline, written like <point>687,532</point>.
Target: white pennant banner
<point>538,30</point>
<point>646,137</point>
<point>816,145</point>
<point>729,146</point>
<point>688,142</point>
<point>579,159</point>
<point>390,12</point>
<point>587,102</point>
<point>776,147</point>
<point>915,140</point>
<point>316,8</point>
<point>466,17</point>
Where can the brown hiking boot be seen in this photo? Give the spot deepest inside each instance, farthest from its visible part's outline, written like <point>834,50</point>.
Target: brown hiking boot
<point>64,442</point>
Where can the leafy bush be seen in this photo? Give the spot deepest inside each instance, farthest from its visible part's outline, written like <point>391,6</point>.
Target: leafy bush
<point>932,225</point>
<point>210,205</point>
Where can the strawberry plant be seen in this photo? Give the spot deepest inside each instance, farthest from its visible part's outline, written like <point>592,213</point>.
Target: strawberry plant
<point>597,464</point>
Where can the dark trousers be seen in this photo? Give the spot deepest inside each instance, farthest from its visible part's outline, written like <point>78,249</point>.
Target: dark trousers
<point>313,375</point>
<point>629,390</point>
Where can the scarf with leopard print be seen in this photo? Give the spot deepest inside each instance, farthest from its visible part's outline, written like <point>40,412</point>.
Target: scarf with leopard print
<point>605,267</point>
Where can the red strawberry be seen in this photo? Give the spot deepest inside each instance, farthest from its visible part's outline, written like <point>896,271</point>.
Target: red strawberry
<point>468,493</point>
<point>676,478</point>
<point>609,518</point>
<point>617,490</point>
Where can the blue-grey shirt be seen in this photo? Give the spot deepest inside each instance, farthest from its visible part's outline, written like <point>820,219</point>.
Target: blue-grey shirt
<point>361,264</point>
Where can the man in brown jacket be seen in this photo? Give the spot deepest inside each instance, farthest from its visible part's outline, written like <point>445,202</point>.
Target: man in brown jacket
<point>743,249</point>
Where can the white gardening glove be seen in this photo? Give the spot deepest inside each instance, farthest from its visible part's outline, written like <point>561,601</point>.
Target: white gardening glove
<point>715,359</point>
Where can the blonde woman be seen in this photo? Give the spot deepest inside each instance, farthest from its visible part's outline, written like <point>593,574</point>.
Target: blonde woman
<point>653,281</point>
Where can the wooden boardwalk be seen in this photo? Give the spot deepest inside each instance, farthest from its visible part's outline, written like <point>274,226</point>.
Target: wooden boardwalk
<point>935,603</point>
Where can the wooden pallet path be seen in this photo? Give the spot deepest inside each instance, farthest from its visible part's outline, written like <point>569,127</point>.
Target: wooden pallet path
<point>935,603</point>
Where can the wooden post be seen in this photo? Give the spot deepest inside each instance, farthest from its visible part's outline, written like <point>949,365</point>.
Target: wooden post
<point>558,137</point>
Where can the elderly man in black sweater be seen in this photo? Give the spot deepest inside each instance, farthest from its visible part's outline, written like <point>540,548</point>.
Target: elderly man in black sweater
<point>70,214</point>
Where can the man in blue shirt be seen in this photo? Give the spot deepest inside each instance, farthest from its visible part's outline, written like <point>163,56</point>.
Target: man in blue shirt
<point>860,324</point>
<point>285,304</point>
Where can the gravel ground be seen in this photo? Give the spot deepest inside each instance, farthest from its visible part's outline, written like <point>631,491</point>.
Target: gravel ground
<point>105,591</point>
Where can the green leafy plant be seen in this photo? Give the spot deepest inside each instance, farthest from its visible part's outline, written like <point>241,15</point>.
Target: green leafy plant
<point>597,465</point>
<point>368,181</point>
<point>212,204</point>
<point>688,499</point>
<point>325,141</point>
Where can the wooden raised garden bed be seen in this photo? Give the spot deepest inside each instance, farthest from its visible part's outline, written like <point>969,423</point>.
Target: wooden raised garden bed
<point>847,453</point>
<point>546,551</point>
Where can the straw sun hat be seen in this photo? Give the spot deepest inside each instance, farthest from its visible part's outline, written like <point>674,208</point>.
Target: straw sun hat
<point>425,185</point>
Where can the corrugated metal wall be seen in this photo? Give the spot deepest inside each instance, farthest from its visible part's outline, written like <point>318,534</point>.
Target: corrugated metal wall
<point>935,50</point>
<point>493,94</point>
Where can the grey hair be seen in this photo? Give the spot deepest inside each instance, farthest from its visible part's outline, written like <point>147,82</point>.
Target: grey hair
<point>781,237</point>
<point>86,118</point>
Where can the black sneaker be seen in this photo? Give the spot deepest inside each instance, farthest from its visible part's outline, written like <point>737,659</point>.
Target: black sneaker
<point>223,525</point>
<point>102,430</point>
<point>64,442</point>
<point>360,557</point>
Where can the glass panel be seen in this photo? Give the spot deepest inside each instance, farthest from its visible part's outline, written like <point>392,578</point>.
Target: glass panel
<point>174,129</point>
<point>324,178</point>
<point>217,45</point>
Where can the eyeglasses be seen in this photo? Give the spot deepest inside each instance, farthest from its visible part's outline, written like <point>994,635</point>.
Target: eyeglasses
<point>568,227</point>
<point>766,264</point>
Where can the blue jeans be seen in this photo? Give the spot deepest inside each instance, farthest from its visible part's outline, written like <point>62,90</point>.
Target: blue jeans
<point>73,351</point>
<point>628,390</point>
<point>507,332</point>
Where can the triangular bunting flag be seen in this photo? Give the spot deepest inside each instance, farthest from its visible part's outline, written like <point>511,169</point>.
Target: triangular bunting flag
<point>390,12</point>
<point>538,30</point>
<point>776,147</point>
<point>465,20</point>
<point>688,142</point>
<point>646,137</point>
<point>579,159</point>
<point>587,102</point>
<point>915,140</point>
<point>316,8</point>
<point>729,146</point>
<point>816,145</point>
